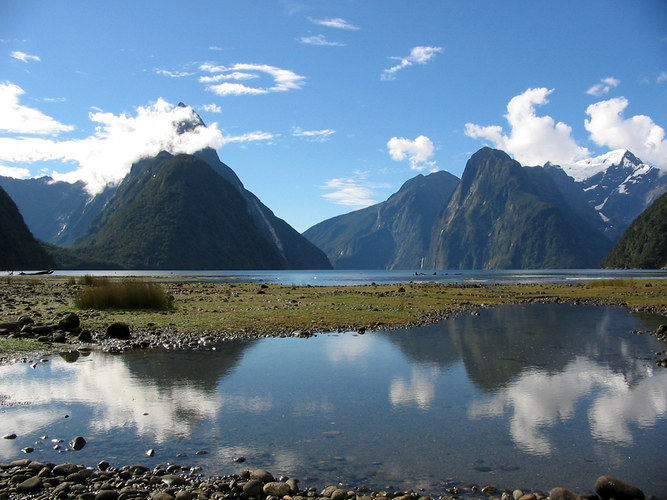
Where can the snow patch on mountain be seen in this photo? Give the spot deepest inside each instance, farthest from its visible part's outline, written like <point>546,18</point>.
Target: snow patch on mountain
<point>585,169</point>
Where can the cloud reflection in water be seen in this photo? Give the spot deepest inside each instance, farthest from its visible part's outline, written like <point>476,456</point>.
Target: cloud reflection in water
<point>539,400</point>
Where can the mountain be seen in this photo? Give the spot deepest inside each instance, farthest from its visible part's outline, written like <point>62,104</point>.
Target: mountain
<point>394,234</point>
<point>618,185</point>
<point>109,229</point>
<point>55,211</point>
<point>505,216</point>
<point>644,243</point>
<point>19,248</point>
<point>295,251</point>
<point>176,212</point>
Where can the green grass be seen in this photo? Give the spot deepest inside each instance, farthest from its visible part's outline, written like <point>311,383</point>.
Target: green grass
<point>14,347</point>
<point>128,295</point>
<point>614,282</point>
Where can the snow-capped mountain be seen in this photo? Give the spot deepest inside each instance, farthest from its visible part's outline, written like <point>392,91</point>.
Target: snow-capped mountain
<point>618,185</point>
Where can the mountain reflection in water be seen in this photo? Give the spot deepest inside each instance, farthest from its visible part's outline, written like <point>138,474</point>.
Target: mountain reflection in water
<point>531,396</point>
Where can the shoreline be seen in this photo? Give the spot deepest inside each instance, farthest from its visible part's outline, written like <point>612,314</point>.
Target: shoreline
<point>25,478</point>
<point>204,313</point>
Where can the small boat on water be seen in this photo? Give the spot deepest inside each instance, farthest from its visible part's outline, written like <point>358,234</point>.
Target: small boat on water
<point>36,273</point>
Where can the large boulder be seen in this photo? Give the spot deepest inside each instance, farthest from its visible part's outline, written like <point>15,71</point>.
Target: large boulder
<point>608,487</point>
<point>69,321</point>
<point>119,331</point>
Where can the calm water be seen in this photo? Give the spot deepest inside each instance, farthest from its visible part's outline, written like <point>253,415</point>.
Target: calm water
<point>519,396</point>
<point>340,277</point>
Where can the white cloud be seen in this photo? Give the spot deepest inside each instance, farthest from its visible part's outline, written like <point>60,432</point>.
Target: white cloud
<point>283,79</point>
<point>14,172</point>
<point>249,137</point>
<point>235,75</point>
<point>533,140</point>
<point>224,89</point>
<point>418,151</point>
<point>22,56</point>
<point>639,134</point>
<point>211,108</point>
<point>351,192</point>
<point>172,74</point>
<point>662,77</point>
<point>603,88</point>
<point>335,22</point>
<point>16,118</point>
<point>418,55</point>
<point>314,135</point>
<point>119,140</point>
<point>320,40</point>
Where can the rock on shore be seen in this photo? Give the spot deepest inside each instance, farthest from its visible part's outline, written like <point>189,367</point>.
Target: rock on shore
<point>31,479</point>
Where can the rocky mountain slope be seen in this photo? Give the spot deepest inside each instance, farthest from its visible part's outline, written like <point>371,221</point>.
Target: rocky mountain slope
<point>501,215</point>
<point>221,225</point>
<point>618,185</point>
<point>394,234</point>
<point>176,212</point>
<point>55,211</point>
<point>505,216</point>
<point>19,249</point>
<point>644,243</point>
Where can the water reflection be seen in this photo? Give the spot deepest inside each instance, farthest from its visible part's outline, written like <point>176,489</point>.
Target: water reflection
<point>517,387</point>
<point>538,400</point>
<point>418,390</point>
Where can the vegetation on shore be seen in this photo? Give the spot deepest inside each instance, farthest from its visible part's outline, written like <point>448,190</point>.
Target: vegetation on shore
<point>254,308</point>
<point>102,294</point>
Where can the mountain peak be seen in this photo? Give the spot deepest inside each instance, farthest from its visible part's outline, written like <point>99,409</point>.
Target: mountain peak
<point>587,168</point>
<point>194,122</point>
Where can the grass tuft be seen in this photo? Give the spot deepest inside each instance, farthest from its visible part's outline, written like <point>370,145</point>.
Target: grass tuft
<point>89,280</point>
<point>128,295</point>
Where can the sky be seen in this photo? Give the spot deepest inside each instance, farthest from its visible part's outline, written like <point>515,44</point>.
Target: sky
<point>324,107</point>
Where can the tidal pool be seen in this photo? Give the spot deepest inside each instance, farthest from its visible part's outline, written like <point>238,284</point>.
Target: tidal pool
<point>518,396</point>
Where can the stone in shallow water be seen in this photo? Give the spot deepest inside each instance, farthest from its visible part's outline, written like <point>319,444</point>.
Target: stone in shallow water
<point>77,443</point>
<point>609,487</point>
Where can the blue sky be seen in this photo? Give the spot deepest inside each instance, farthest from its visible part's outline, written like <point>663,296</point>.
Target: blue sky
<point>322,107</point>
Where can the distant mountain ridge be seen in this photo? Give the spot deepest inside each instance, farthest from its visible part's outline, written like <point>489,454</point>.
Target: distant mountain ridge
<point>394,234</point>
<point>56,211</point>
<point>503,215</point>
<point>618,185</point>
